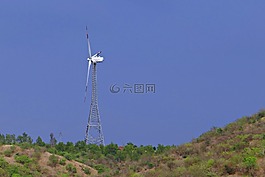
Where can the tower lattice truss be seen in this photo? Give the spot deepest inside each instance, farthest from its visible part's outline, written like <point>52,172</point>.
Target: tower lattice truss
<point>94,133</point>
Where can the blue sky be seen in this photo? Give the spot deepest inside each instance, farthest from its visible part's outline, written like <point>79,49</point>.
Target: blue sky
<point>206,59</point>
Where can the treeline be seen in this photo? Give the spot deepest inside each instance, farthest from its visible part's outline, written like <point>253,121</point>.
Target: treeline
<point>110,159</point>
<point>12,139</point>
<point>91,151</point>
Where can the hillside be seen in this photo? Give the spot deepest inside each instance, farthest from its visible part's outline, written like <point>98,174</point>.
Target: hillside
<point>237,149</point>
<point>16,161</point>
<point>234,150</point>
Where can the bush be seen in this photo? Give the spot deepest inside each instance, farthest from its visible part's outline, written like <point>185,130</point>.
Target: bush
<point>23,159</point>
<point>86,170</point>
<point>62,161</point>
<point>100,168</point>
<point>197,170</point>
<point>3,163</point>
<point>68,156</point>
<point>53,160</point>
<point>219,130</point>
<point>18,171</point>
<point>229,170</point>
<point>13,148</point>
<point>71,168</point>
<point>261,114</point>
<point>189,161</point>
<point>250,162</point>
<point>3,173</point>
<point>8,153</point>
<point>36,155</point>
<point>25,145</point>
<point>210,163</point>
<point>171,165</point>
<point>150,165</point>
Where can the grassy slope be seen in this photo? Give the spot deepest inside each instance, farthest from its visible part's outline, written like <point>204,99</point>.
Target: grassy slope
<point>237,149</point>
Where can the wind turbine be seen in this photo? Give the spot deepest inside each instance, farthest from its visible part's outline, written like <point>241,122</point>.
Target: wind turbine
<point>94,133</point>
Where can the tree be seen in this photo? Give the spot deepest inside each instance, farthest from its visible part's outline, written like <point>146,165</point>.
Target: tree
<point>131,150</point>
<point>24,138</point>
<point>60,146</point>
<point>39,141</point>
<point>81,146</point>
<point>161,148</point>
<point>111,149</point>
<point>52,140</point>
<point>2,139</point>
<point>70,147</point>
<point>10,139</point>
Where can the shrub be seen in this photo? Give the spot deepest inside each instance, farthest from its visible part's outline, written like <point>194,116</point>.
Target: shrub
<point>3,163</point>
<point>250,162</point>
<point>53,160</point>
<point>257,152</point>
<point>25,145</point>
<point>261,114</point>
<point>100,168</point>
<point>68,156</point>
<point>71,168</point>
<point>13,170</point>
<point>86,170</point>
<point>62,161</point>
<point>210,163</point>
<point>137,175</point>
<point>229,170</point>
<point>23,159</point>
<point>8,153</point>
<point>64,175</point>
<point>171,165</point>
<point>13,148</point>
<point>197,170</point>
<point>36,155</point>
<point>3,173</point>
<point>219,130</point>
<point>150,165</point>
<point>191,161</point>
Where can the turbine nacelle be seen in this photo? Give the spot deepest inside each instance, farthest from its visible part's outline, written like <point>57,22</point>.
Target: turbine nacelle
<point>96,58</point>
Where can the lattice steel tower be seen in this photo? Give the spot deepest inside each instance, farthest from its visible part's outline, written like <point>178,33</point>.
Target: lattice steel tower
<point>94,133</point>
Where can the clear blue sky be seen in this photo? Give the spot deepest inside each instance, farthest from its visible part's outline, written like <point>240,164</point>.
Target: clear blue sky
<point>206,58</point>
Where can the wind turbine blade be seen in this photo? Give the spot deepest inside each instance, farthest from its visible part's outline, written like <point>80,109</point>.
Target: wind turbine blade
<point>88,69</point>
<point>88,44</point>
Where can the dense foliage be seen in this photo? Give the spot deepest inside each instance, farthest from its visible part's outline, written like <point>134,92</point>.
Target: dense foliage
<point>236,149</point>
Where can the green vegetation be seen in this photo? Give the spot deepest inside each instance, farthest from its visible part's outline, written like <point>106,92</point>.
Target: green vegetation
<point>86,170</point>
<point>53,160</point>
<point>237,149</point>
<point>71,168</point>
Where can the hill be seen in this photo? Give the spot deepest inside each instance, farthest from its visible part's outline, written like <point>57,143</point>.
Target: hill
<point>17,161</point>
<point>237,149</point>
